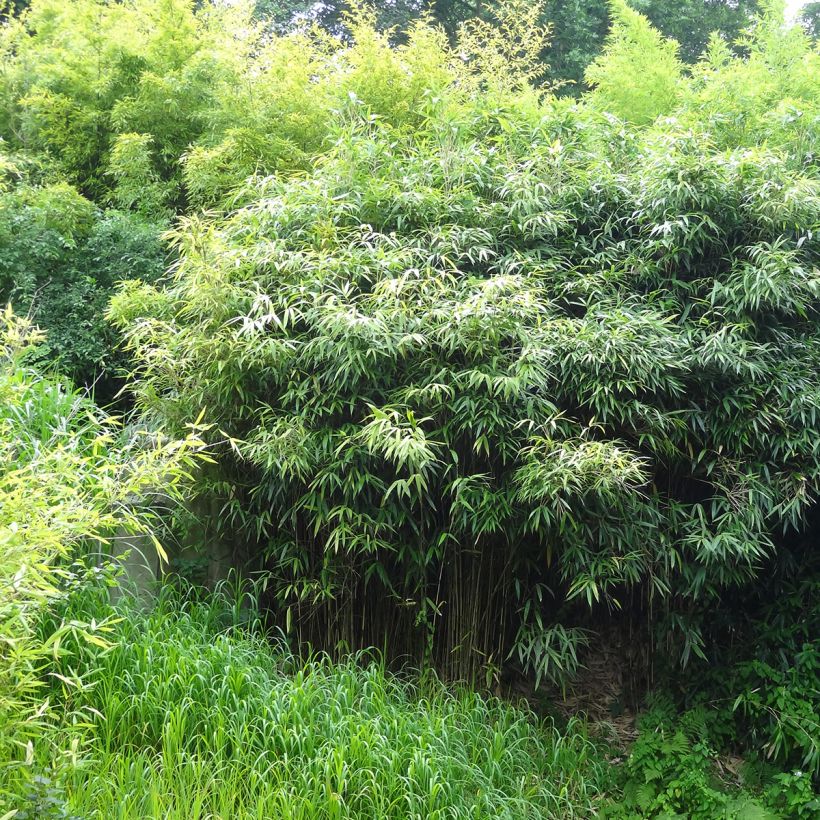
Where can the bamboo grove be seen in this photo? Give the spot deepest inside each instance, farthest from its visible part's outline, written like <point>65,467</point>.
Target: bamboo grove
<point>496,363</point>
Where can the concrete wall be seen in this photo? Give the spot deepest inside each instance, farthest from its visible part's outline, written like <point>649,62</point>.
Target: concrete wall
<point>142,568</point>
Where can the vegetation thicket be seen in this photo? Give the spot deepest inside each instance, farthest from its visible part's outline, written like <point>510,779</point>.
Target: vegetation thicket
<point>579,27</point>
<point>486,371</point>
<point>500,355</point>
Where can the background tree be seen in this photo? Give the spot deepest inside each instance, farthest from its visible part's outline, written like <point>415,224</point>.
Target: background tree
<point>578,28</point>
<point>809,19</point>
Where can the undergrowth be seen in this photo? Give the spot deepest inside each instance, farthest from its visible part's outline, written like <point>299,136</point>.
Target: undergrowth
<point>195,711</point>
<point>194,714</point>
<point>675,770</point>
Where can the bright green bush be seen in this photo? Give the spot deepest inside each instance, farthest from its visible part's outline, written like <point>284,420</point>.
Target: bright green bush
<point>137,182</point>
<point>154,108</point>
<point>165,106</point>
<point>579,27</point>
<point>66,480</point>
<point>80,73</point>
<point>771,96</point>
<point>170,103</point>
<point>638,75</point>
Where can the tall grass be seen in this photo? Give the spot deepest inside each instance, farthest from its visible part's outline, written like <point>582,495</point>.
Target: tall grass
<point>199,716</point>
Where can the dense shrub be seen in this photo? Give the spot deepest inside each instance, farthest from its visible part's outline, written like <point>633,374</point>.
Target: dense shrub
<point>671,771</point>
<point>675,769</point>
<point>517,358</point>
<point>162,103</point>
<point>164,106</point>
<point>79,73</point>
<point>153,108</point>
<point>60,263</point>
<point>760,689</point>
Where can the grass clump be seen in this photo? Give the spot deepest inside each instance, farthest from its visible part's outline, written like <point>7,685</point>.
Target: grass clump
<point>198,715</point>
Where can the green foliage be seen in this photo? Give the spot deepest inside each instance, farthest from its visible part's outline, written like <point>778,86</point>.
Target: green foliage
<point>792,794</point>
<point>771,95</point>
<point>61,260</point>
<point>638,76</point>
<point>65,480</point>
<point>765,698</point>
<point>779,709</point>
<point>517,348</point>
<point>484,366</point>
<point>83,72</point>
<point>138,185</point>
<point>160,92</point>
<point>197,716</point>
<point>508,47</point>
<point>672,771</point>
<point>579,27</point>
<point>809,19</point>
<point>149,107</point>
<point>162,106</point>
<point>757,696</point>
<point>692,22</point>
<point>158,103</point>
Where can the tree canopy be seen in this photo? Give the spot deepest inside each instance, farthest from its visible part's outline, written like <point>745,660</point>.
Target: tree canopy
<point>578,28</point>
